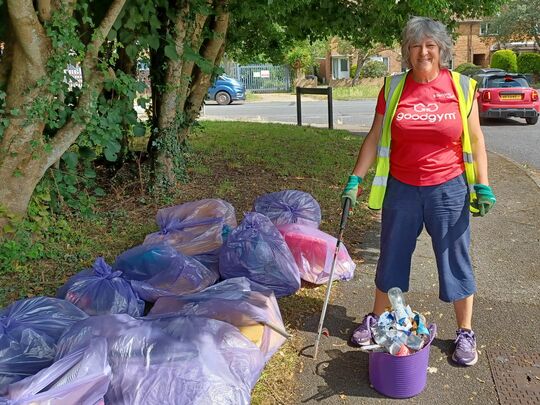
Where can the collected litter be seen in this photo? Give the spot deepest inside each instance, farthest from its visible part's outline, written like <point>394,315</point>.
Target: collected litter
<point>29,331</point>
<point>100,290</point>
<point>289,207</point>
<point>256,250</point>
<point>313,251</point>
<point>171,360</point>
<point>194,227</point>
<point>252,308</point>
<point>399,331</point>
<point>160,270</point>
<point>80,378</point>
<point>398,367</point>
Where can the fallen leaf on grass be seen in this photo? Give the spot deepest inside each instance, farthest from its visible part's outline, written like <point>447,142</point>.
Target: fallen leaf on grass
<point>480,380</point>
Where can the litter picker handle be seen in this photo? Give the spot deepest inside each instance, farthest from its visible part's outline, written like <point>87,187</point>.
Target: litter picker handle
<point>345,214</point>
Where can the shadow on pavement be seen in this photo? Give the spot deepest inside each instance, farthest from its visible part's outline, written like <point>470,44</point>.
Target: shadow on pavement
<point>345,374</point>
<point>501,122</point>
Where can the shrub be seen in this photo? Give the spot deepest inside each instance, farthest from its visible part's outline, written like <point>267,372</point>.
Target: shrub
<point>353,71</point>
<point>529,63</point>
<point>504,59</point>
<point>468,69</point>
<point>373,68</point>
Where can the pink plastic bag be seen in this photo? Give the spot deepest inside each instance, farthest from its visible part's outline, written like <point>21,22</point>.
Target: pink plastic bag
<point>313,251</point>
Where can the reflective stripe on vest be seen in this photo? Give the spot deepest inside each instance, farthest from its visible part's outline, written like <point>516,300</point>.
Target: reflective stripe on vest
<point>464,87</point>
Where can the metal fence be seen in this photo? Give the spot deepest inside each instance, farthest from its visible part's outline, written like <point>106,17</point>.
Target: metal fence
<point>261,78</point>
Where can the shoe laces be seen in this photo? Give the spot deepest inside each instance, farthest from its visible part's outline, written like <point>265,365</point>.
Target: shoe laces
<point>465,340</point>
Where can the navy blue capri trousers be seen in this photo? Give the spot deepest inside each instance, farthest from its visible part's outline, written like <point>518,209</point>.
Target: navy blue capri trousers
<point>444,210</point>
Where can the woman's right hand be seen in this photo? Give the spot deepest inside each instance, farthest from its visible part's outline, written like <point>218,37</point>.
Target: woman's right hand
<point>351,189</point>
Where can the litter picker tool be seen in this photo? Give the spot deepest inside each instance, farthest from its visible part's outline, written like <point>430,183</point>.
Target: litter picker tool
<point>344,216</point>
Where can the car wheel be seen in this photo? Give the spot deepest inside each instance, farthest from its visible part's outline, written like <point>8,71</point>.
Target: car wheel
<point>223,98</point>
<point>531,120</point>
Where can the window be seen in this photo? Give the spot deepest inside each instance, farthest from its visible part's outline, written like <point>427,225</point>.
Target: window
<point>344,65</point>
<point>487,29</point>
<point>386,61</point>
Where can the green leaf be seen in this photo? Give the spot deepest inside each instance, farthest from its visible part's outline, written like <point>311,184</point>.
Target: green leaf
<point>111,35</point>
<point>170,52</point>
<point>139,130</point>
<point>153,42</point>
<point>8,228</point>
<point>70,159</point>
<point>131,51</point>
<point>99,192</point>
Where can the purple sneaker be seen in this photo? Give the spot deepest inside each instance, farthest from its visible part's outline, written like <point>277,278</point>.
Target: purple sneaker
<point>465,353</point>
<point>362,334</point>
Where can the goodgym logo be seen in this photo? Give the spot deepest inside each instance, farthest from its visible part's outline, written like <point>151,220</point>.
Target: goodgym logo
<point>432,107</point>
<point>426,113</point>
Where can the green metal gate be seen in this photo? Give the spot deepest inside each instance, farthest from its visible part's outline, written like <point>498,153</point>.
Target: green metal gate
<point>262,78</point>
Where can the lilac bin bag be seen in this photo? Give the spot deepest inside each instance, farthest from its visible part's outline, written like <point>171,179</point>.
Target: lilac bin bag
<point>160,270</point>
<point>172,360</point>
<point>29,331</point>
<point>289,207</point>
<point>194,227</point>
<point>80,378</point>
<point>252,308</point>
<point>313,251</point>
<point>256,250</point>
<point>100,291</point>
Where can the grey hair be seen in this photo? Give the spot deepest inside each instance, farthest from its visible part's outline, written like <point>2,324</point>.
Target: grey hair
<point>421,28</point>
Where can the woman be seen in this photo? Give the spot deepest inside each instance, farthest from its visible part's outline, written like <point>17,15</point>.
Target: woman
<point>431,170</point>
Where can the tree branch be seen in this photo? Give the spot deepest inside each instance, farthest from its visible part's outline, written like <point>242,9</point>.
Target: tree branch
<point>212,52</point>
<point>44,10</point>
<point>29,32</point>
<point>91,89</point>
<point>196,42</point>
<point>102,31</point>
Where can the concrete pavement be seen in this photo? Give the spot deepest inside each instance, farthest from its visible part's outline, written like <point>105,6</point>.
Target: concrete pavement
<point>506,257</point>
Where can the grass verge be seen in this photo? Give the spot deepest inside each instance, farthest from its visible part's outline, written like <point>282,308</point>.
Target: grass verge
<point>356,92</point>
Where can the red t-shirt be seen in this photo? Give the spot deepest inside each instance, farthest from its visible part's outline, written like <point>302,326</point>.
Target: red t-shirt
<point>426,132</point>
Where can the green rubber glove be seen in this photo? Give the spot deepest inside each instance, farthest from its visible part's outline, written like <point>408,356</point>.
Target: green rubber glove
<point>485,200</point>
<point>351,189</point>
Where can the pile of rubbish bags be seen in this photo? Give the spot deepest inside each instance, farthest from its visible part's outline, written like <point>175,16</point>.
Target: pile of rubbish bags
<point>190,316</point>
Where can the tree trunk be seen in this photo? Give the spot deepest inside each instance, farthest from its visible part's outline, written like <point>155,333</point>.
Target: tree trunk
<point>185,86</point>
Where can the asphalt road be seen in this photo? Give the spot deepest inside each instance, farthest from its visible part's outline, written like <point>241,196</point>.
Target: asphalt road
<point>511,138</point>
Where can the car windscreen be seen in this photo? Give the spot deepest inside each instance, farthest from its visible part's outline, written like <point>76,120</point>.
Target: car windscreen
<point>506,81</point>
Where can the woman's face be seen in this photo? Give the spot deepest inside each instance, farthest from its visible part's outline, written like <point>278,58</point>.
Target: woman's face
<point>424,56</point>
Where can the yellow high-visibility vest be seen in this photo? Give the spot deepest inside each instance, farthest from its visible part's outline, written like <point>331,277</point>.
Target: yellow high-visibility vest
<point>465,88</point>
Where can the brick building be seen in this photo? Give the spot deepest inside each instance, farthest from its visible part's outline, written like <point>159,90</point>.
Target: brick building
<point>473,44</point>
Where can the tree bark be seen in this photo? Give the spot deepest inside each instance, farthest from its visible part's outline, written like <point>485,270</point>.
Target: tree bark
<point>185,86</point>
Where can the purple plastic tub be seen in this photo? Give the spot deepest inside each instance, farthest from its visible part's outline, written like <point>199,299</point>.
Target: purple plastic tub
<point>400,376</point>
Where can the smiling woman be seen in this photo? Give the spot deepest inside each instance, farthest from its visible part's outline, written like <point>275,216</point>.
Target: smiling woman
<point>428,144</point>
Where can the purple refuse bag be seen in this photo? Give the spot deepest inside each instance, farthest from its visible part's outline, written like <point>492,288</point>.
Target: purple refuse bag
<point>194,227</point>
<point>313,251</point>
<point>80,378</point>
<point>256,250</point>
<point>172,360</point>
<point>160,270</point>
<point>250,307</point>
<point>101,291</point>
<point>289,207</point>
<point>29,331</point>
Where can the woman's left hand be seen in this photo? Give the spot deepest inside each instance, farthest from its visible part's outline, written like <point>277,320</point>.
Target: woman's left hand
<point>485,200</point>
